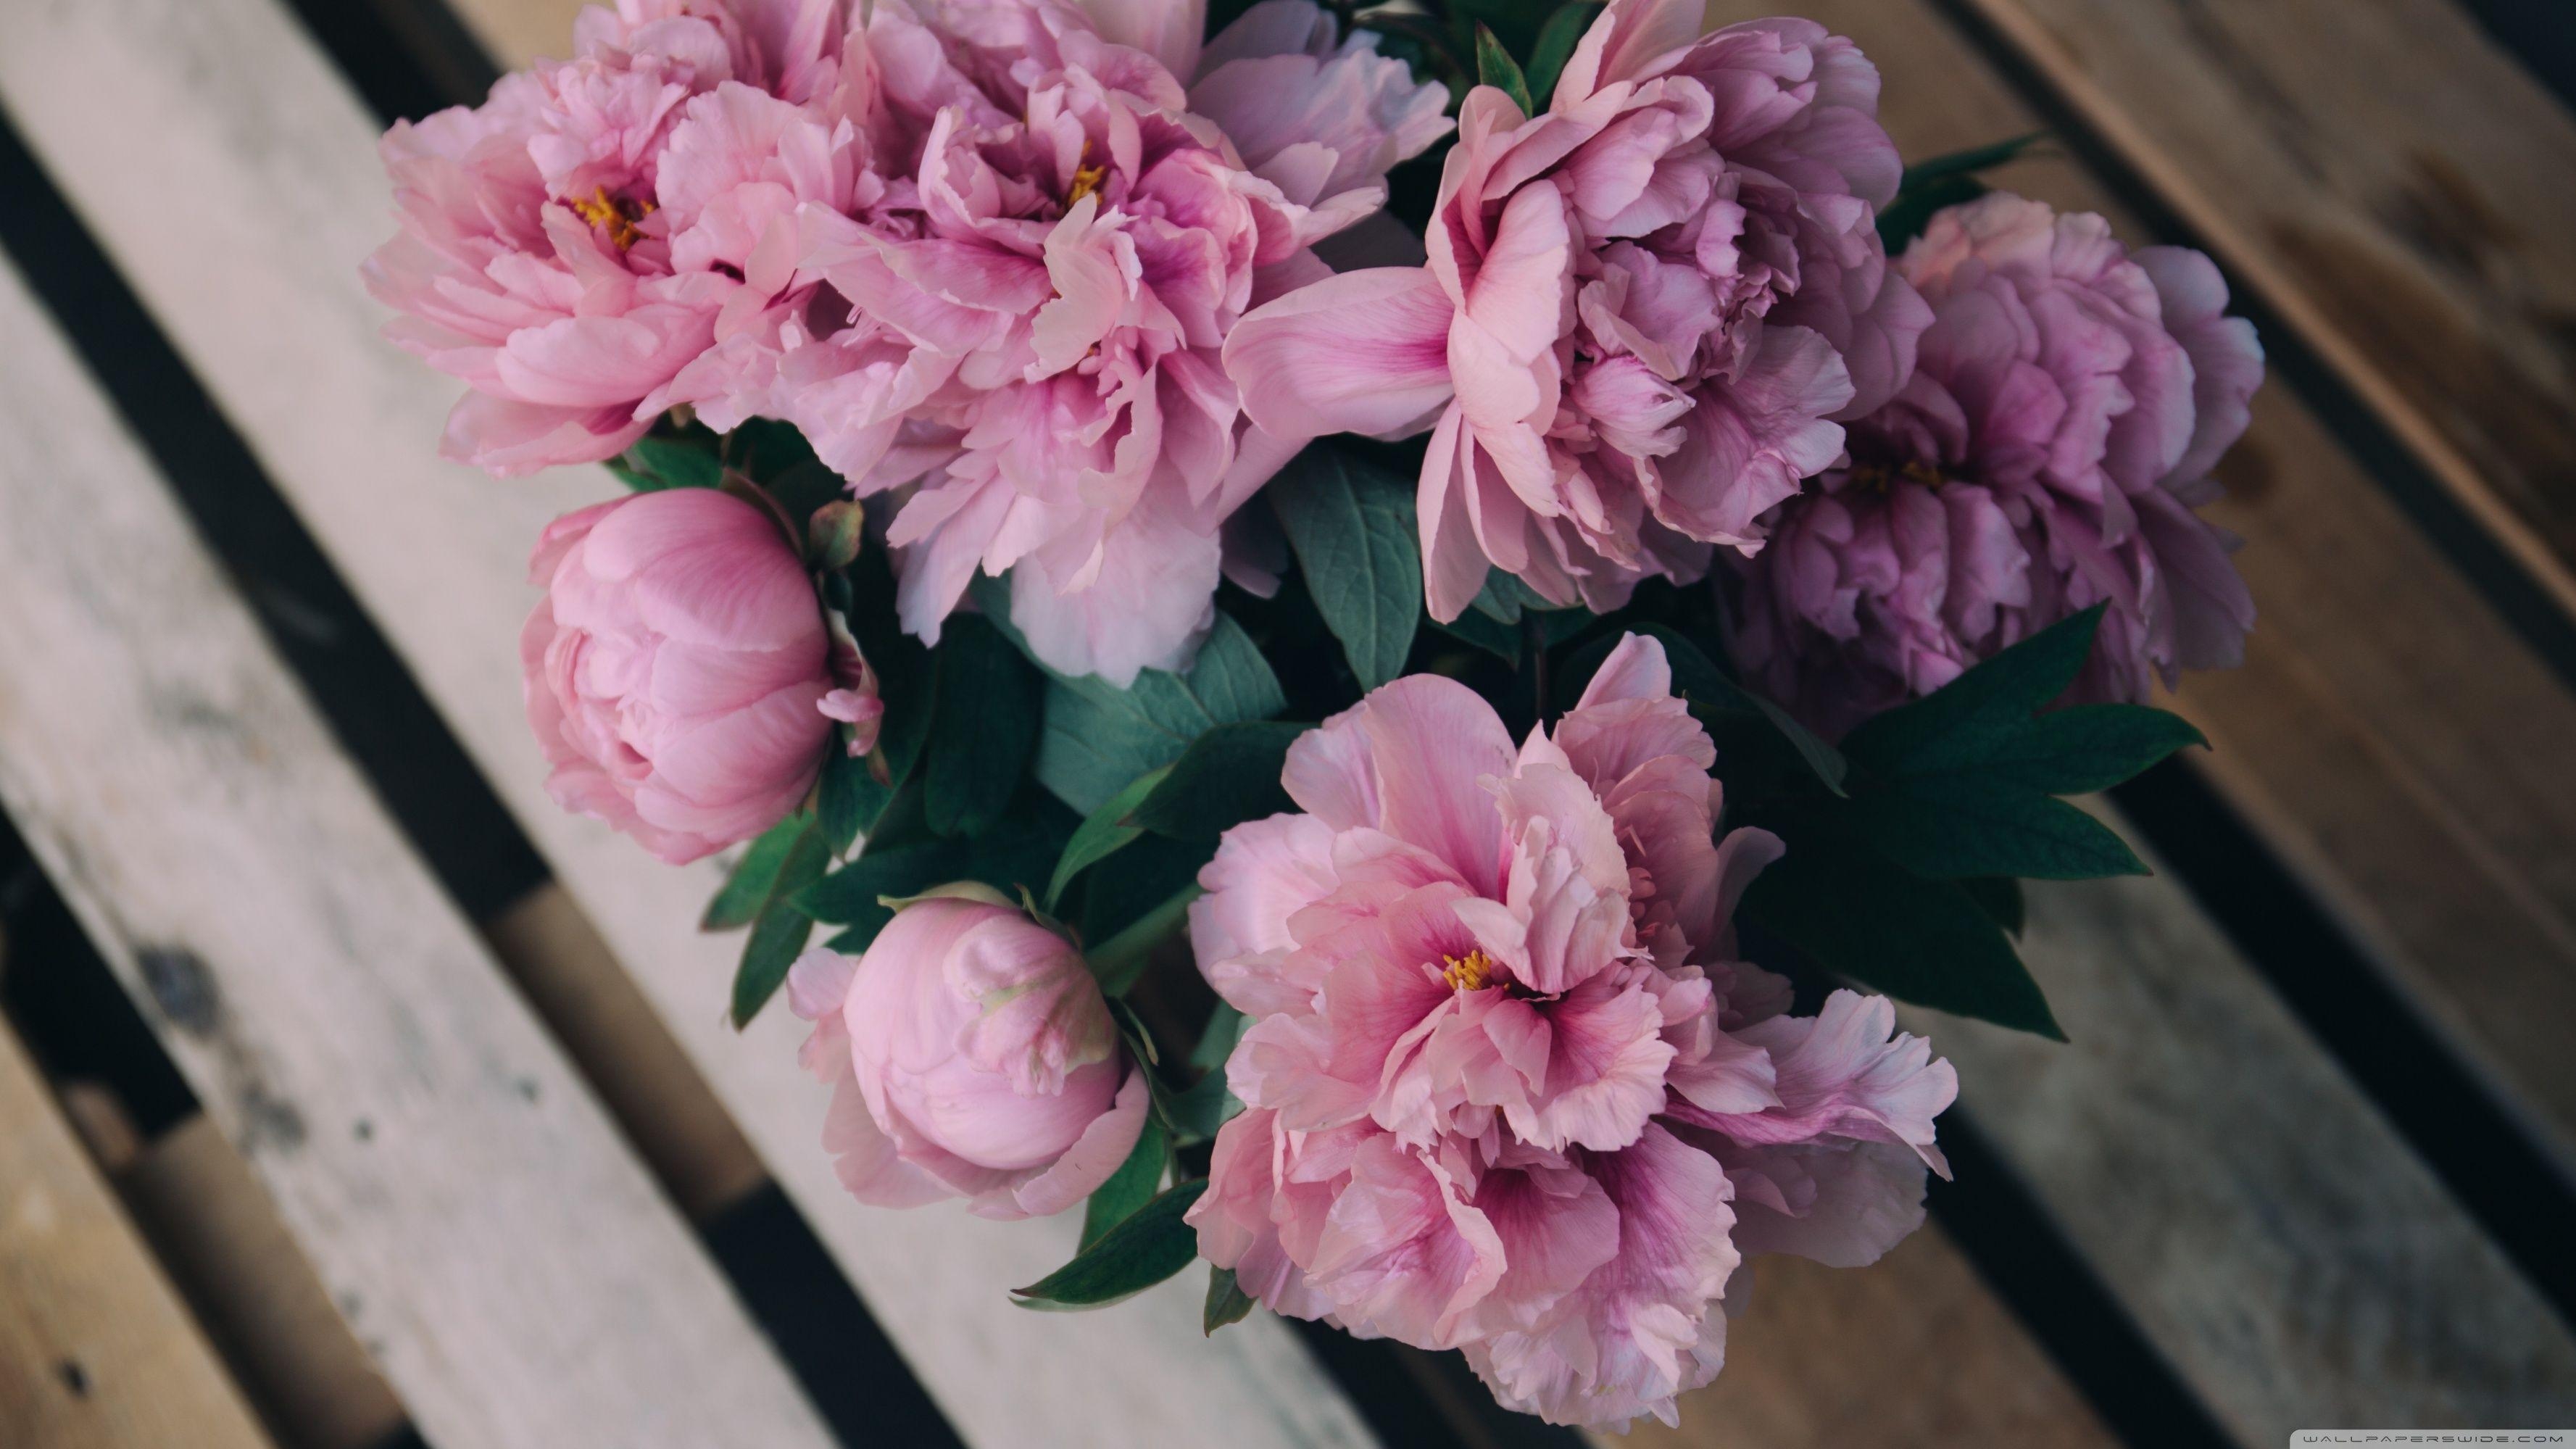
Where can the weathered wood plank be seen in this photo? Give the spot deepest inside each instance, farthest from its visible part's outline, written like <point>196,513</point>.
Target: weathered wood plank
<point>477,1221</point>
<point>269,158</point>
<point>2266,1227</point>
<point>95,1350</point>
<point>1910,1350</point>
<point>2392,736</point>
<point>2398,189</point>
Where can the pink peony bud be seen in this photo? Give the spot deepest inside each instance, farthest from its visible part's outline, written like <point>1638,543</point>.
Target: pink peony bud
<point>971,1055</point>
<point>676,669</point>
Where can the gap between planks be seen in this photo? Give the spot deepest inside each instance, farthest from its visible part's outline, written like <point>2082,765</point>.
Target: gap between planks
<point>96,1352</point>
<point>468,1206</point>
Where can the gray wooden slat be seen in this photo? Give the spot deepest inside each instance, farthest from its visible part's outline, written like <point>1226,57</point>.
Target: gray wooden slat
<point>476,1218</point>
<point>227,118</point>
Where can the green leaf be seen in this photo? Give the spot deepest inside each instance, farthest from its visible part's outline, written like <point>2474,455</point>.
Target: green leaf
<point>1859,915</point>
<point>1102,833</point>
<point>854,799</point>
<point>1097,737</point>
<point>1206,1106</point>
<point>2089,747</point>
<point>1514,22</point>
<point>1132,1186</point>
<point>1495,67</point>
<point>768,450</point>
<point>1117,962</point>
<point>2000,898</point>
<point>1961,723</point>
<point>747,889</point>
<point>651,464</point>
<point>1555,46</point>
<point>1226,1301</point>
<point>1013,856</point>
<point>1476,627</point>
<point>984,724</point>
<point>1351,525</point>
<point>1697,678</point>
<point>1951,826</point>
<point>1216,1043</point>
<point>1149,1246</point>
<point>780,928</point>
<point>1944,181</point>
<point>1227,776</point>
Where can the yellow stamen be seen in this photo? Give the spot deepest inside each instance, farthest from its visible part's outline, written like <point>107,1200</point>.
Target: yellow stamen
<point>615,215</point>
<point>1473,972</point>
<point>1879,478</point>
<point>1087,181</point>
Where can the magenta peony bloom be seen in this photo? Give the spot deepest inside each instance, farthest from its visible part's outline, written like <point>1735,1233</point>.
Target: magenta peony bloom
<point>1028,330</point>
<point>677,670</point>
<point>571,244</point>
<point>2047,455</point>
<point>971,1055</point>
<point>1642,314</point>
<point>1507,1088</point>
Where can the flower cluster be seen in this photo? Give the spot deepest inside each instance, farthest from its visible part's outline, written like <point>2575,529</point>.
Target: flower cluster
<point>2048,454</point>
<point>1508,1087</point>
<point>1645,309</point>
<point>987,251</point>
<point>872,299</point>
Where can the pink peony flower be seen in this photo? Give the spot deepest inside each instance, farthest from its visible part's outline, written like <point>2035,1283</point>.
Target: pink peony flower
<point>676,671</point>
<point>1643,313</point>
<point>1028,330</point>
<point>2047,455</point>
<point>1508,1089</point>
<point>597,224</point>
<point>971,1055</point>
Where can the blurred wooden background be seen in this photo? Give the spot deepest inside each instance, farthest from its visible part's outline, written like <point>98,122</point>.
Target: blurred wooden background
<point>351,1095</point>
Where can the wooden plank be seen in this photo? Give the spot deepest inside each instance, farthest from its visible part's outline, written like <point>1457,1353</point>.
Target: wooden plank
<point>96,1352</point>
<point>2271,1234</point>
<point>2395,186</point>
<point>269,158</point>
<point>463,1197</point>
<point>2393,737</point>
<point>1910,1350</point>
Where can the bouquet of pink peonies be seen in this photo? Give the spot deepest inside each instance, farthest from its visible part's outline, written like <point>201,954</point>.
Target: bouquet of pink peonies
<point>1710,547</point>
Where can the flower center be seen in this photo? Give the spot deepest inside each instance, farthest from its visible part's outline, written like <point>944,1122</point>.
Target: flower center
<point>1087,181</point>
<point>1472,972</point>
<point>613,214</point>
<point>1881,479</point>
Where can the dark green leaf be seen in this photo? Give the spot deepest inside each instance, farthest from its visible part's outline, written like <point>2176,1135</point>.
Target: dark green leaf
<point>747,889</point>
<point>2089,747</point>
<point>1150,1246</point>
<point>1960,724</point>
<point>2000,898</point>
<point>1951,826</point>
<point>1228,775</point>
<point>986,720</point>
<point>1132,1186</point>
<point>1476,627</point>
<point>1102,833</point>
<point>1120,960</point>
<point>1198,1112</point>
<point>780,928</point>
<point>653,463</point>
<point>1697,678</point>
<point>1216,1043</point>
<point>1013,856</point>
<point>1859,915</point>
<point>855,799</point>
<point>1555,46</point>
<point>1147,875</point>
<point>1514,22</point>
<point>1350,522</point>
<point>1226,1301</point>
<point>1097,737</point>
<point>768,450</point>
<point>1495,67</point>
<point>1906,217</point>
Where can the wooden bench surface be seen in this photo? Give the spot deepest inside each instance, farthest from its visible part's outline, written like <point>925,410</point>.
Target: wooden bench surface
<point>2380,179</point>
